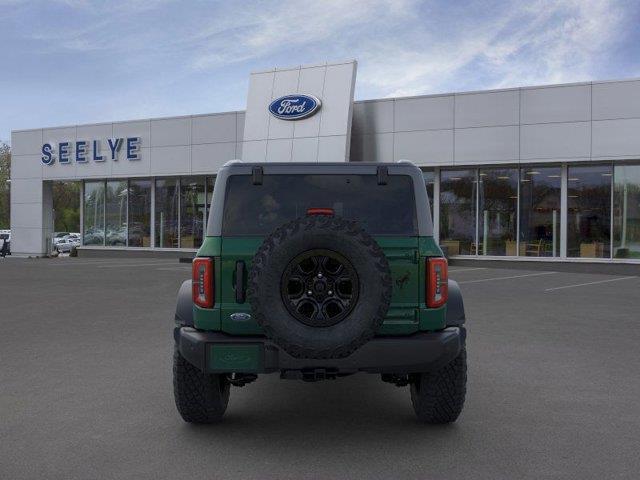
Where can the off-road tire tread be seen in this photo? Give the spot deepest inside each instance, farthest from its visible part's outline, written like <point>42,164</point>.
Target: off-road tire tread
<point>438,397</point>
<point>199,397</point>
<point>327,223</point>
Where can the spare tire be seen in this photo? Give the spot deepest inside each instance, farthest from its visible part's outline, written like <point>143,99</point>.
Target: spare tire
<point>320,287</point>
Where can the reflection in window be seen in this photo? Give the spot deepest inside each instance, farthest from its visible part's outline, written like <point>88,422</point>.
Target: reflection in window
<point>93,213</point>
<point>211,181</point>
<point>116,213</point>
<point>540,189</point>
<point>458,211</point>
<point>192,211</point>
<point>498,211</point>
<point>139,213</point>
<point>589,211</point>
<point>429,180</point>
<point>166,213</point>
<point>626,207</point>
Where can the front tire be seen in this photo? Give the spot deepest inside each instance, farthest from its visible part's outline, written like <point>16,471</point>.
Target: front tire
<point>438,397</point>
<point>200,397</point>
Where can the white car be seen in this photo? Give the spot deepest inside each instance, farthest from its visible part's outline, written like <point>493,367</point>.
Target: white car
<point>65,245</point>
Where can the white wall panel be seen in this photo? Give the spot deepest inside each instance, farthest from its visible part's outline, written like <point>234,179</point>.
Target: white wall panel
<point>431,147</point>
<point>555,140</point>
<point>311,82</point>
<point>279,150</point>
<point>377,147</point>
<point>487,109</point>
<point>486,145</point>
<point>615,138</point>
<point>26,190</point>
<point>256,123</point>
<point>425,113</point>
<point>209,158</point>
<point>337,99</point>
<point>372,117</point>
<point>285,82</point>
<point>305,149</point>
<point>616,100</point>
<point>170,160</point>
<point>213,128</point>
<point>556,104</point>
<point>26,142</point>
<point>26,166</point>
<point>332,149</point>
<point>171,132</point>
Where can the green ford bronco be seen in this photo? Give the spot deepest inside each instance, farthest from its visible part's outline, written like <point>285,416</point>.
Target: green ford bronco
<point>317,271</point>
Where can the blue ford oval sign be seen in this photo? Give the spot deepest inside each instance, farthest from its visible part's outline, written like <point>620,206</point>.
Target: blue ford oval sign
<point>294,107</point>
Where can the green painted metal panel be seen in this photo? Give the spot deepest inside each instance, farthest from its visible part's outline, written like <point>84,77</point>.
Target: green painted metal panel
<point>239,358</point>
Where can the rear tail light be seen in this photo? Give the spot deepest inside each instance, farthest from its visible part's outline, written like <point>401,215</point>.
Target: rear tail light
<point>202,282</point>
<point>437,282</point>
<point>320,211</point>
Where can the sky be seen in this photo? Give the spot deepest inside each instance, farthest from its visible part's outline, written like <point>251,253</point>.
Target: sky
<point>79,61</point>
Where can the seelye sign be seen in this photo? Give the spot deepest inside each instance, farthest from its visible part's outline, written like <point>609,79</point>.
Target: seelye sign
<point>82,151</point>
<point>294,107</point>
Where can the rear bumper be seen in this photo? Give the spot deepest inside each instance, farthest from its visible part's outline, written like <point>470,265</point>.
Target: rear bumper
<point>216,352</point>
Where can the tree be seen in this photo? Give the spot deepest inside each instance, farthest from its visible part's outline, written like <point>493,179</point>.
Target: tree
<point>5,195</point>
<point>66,204</point>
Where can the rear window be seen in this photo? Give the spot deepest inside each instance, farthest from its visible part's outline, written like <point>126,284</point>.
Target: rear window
<point>259,209</point>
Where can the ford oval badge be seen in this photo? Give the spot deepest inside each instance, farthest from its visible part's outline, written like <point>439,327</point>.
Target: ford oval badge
<point>294,107</point>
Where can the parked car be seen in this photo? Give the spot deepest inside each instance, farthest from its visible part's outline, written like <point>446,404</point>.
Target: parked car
<point>57,236</point>
<point>5,242</point>
<point>66,244</point>
<point>317,274</point>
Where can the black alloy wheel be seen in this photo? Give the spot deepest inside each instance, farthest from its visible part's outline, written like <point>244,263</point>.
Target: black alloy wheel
<point>319,287</point>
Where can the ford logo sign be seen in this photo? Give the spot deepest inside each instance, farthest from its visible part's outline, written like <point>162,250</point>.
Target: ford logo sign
<point>294,107</point>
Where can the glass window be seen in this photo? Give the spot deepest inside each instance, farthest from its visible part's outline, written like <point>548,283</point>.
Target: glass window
<point>211,181</point>
<point>192,211</point>
<point>540,192</point>
<point>93,213</point>
<point>429,180</point>
<point>458,211</point>
<point>139,230</point>
<point>380,209</point>
<point>626,208</point>
<point>166,221</point>
<point>589,211</point>
<point>116,213</point>
<point>498,211</point>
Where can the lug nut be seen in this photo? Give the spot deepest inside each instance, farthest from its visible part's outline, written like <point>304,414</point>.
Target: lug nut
<point>320,275</point>
<point>309,292</point>
<point>330,292</point>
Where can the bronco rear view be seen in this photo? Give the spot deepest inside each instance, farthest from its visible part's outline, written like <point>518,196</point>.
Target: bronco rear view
<point>317,271</point>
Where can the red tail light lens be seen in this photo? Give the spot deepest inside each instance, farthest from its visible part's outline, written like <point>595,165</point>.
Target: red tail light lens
<point>437,282</point>
<point>320,211</point>
<point>202,282</point>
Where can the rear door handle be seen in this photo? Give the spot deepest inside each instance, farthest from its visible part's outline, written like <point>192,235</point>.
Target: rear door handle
<point>239,286</point>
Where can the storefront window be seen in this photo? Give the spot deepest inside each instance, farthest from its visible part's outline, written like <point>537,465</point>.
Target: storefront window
<point>192,212</point>
<point>166,213</point>
<point>589,211</point>
<point>540,192</point>
<point>139,230</point>
<point>429,181</point>
<point>626,208</point>
<point>93,213</point>
<point>458,211</point>
<point>498,211</point>
<point>116,213</point>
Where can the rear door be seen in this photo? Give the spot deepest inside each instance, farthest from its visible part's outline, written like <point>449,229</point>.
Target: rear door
<point>254,211</point>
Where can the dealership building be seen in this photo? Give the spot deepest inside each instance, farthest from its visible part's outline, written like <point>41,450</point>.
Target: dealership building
<point>534,173</point>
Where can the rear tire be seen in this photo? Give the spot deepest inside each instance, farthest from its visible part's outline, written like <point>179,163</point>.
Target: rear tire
<point>438,397</point>
<point>200,397</point>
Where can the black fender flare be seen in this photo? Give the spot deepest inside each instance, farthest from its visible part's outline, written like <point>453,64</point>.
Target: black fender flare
<point>184,306</point>
<point>455,306</point>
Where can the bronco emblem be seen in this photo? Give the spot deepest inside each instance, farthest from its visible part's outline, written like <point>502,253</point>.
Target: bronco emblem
<point>402,280</point>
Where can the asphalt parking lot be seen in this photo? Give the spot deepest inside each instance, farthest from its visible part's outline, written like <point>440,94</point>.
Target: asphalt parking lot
<point>85,386</point>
